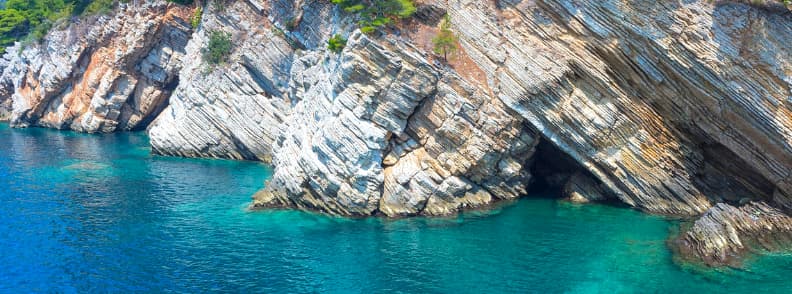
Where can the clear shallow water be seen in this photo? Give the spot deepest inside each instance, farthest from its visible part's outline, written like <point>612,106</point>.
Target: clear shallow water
<point>88,213</point>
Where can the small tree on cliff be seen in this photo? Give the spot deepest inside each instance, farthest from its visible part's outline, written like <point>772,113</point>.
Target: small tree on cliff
<point>219,47</point>
<point>445,43</point>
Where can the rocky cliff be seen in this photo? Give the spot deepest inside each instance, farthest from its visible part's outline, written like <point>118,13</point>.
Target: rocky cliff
<point>100,74</point>
<point>672,107</point>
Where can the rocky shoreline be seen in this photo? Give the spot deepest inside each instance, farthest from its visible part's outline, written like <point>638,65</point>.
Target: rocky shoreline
<point>671,107</point>
<point>725,234</point>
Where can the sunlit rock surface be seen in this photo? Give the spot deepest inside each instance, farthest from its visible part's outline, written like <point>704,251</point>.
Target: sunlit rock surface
<point>100,74</point>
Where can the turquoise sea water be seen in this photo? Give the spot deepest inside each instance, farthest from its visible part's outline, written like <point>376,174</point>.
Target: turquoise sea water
<point>97,213</point>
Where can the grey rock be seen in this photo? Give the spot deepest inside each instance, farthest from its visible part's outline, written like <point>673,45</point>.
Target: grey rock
<point>233,110</point>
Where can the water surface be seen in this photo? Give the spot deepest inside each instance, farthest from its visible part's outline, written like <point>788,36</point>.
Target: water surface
<point>98,213</point>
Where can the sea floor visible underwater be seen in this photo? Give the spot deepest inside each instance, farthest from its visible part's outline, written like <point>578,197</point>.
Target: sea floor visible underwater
<point>98,213</point>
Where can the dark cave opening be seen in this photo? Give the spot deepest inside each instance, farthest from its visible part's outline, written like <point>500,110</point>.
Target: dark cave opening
<point>557,175</point>
<point>550,170</point>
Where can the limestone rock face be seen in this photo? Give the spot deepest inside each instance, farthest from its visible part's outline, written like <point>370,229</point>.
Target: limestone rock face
<point>464,149</point>
<point>99,75</point>
<point>232,110</point>
<point>647,104</point>
<point>673,105</point>
<point>724,233</point>
<point>350,105</point>
<point>6,90</point>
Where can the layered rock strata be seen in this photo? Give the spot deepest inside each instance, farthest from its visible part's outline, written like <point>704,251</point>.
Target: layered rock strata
<point>725,233</point>
<point>233,110</point>
<point>648,105</point>
<point>6,90</point>
<point>101,74</point>
<point>648,97</point>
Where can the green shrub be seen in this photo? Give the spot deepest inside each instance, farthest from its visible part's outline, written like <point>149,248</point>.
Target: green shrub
<point>195,20</point>
<point>218,49</point>
<point>13,26</point>
<point>336,43</point>
<point>31,19</point>
<point>445,42</point>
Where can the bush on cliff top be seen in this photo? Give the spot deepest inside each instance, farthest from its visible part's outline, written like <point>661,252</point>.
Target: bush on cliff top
<point>195,20</point>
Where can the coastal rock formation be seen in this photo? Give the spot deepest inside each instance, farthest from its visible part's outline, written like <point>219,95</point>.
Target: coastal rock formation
<point>330,158</point>
<point>464,149</point>
<point>648,106</point>
<point>233,110</point>
<point>724,233</point>
<point>102,74</point>
<point>648,97</point>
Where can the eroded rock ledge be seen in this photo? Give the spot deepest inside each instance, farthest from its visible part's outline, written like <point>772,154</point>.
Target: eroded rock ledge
<point>725,233</point>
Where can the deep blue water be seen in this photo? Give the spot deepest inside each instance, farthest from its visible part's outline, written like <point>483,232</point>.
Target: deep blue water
<point>98,213</point>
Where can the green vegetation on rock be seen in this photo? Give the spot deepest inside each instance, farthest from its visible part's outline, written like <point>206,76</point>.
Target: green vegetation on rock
<point>336,43</point>
<point>195,20</point>
<point>216,52</point>
<point>445,42</point>
<point>374,14</point>
<point>99,7</point>
<point>12,27</point>
<point>32,19</point>
<point>21,18</point>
